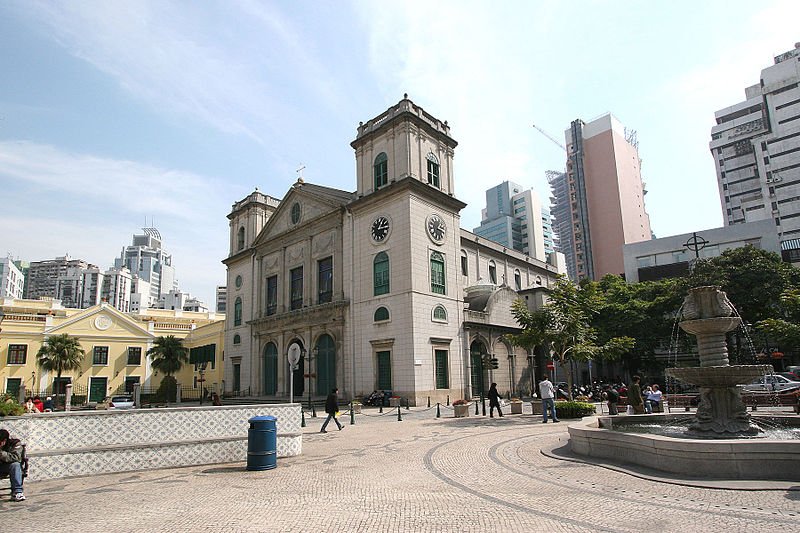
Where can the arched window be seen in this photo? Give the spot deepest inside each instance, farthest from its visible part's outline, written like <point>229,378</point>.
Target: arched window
<point>381,314</point>
<point>240,239</point>
<point>380,270</point>
<point>381,170</point>
<point>440,313</point>
<point>492,272</point>
<point>433,170</point>
<point>517,280</point>
<point>237,339</point>
<point>464,263</point>
<point>237,312</point>
<point>437,273</point>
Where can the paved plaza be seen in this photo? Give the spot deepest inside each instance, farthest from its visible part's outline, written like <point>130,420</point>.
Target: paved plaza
<point>421,474</point>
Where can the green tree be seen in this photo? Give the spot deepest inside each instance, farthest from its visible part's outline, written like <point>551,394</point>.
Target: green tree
<point>59,354</point>
<point>645,311</point>
<point>563,326</point>
<point>168,355</point>
<point>785,330</point>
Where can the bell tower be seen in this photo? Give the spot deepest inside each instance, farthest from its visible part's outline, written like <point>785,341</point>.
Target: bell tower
<point>404,141</point>
<point>247,219</point>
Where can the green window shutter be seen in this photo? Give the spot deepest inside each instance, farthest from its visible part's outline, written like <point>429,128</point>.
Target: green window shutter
<point>442,381</point>
<point>384,370</point>
<point>437,273</point>
<point>381,274</point>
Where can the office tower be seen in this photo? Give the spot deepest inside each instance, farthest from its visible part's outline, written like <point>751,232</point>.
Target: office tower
<point>599,201</point>
<point>150,263</point>
<point>756,150</point>
<point>222,298</point>
<point>549,234</point>
<point>12,280</point>
<point>513,218</point>
<point>116,288</point>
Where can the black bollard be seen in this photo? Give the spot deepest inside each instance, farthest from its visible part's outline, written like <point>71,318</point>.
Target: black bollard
<point>476,408</point>
<point>408,404</point>
<point>429,401</point>
<point>381,409</point>
<point>302,418</point>
<point>352,415</point>
<point>448,399</point>
<point>438,414</point>
<point>313,411</point>
<point>399,416</point>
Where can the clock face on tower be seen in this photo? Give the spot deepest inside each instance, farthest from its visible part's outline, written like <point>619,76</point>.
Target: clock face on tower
<point>380,229</point>
<point>436,228</point>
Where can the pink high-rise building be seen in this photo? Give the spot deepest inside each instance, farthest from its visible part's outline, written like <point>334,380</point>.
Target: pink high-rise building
<point>603,197</point>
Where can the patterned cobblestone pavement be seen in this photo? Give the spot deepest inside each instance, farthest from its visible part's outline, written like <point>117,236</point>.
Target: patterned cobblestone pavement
<point>421,474</point>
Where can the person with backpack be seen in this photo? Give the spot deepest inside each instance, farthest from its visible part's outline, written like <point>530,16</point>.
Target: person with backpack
<point>11,456</point>
<point>612,397</point>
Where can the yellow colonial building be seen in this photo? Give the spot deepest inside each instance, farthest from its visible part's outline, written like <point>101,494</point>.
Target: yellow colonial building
<point>116,346</point>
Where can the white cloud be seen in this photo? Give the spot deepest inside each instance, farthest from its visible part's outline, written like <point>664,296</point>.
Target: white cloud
<point>57,202</point>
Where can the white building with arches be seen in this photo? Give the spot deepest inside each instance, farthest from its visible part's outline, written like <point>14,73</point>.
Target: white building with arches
<point>380,288</point>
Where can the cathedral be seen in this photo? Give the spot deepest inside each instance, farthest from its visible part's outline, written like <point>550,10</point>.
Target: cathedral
<point>377,289</point>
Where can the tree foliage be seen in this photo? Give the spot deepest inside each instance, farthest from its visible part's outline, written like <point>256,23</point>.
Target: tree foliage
<point>563,326</point>
<point>168,355</point>
<point>59,354</point>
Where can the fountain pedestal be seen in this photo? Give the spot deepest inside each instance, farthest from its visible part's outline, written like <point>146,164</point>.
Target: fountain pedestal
<point>721,412</point>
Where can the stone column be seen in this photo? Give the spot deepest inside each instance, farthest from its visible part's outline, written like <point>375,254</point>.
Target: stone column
<point>21,394</point>
<point>68,397</point>
<point>178,394</point>
<point>137,394</point>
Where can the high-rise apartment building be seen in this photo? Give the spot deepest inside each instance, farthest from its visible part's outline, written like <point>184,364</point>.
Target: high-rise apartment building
<point>513,218</point>
<point>599,201</point>
<point>12,280</point>
<point>148,261</point>
<point>551,242</point>
<point>756,150</point>
<point>57,278</point>
<point>222,298</point>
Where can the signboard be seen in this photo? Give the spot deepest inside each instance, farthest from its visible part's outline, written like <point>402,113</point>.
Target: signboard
<point>551,365</point>
<point>294,355</point>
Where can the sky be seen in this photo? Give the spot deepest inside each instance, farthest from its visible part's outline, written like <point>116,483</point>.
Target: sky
<point>120,115</point>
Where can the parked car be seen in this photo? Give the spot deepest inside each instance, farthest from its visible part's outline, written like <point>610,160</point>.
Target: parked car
<point>117,402</point>
<point>771,383</point>
<point>790,376</point>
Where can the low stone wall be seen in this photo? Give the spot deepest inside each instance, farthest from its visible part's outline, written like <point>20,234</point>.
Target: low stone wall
<point>713,458</point>
<point>97,442</point>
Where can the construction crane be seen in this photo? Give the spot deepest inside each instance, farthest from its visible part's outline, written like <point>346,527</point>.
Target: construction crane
<point>553,139</point>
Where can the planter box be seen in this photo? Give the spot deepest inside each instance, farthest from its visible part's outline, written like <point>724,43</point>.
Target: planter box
<point>516,408</point>
<point>395,402</point>
<point>537,407</point>
<point>461,410</point>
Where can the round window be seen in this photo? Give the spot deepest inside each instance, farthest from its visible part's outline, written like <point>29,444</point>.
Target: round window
<point>295,213</point>
<point>238,281</point>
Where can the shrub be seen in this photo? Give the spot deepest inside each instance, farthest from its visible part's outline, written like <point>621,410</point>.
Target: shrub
<point>9,406</point>
<point>574,409</point>
<point>460,402</point>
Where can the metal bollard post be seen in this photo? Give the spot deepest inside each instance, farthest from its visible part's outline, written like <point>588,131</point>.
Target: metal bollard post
<point>429,401</point>
<point>302,418</point>
<point>408,404</point>
<point>438,414</point>
<point>381,409</point>
<point>313,411</point>
<point>352,415</point>
<point>448,399</point>
<point>476,408</point>
<point>399,416</point>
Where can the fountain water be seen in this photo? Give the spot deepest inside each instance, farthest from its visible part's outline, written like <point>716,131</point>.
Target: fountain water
<point>707,314</point>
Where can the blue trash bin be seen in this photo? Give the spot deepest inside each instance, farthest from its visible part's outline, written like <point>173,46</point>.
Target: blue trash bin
<point>262,443</point>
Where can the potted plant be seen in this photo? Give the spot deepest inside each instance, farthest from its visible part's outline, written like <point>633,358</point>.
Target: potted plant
<point>461,408</point>
<point>394,401</point>
<point>516,406</point>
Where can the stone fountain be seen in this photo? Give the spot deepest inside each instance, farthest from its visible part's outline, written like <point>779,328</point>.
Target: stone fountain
<point>719,442</point>
<point>707,314</point>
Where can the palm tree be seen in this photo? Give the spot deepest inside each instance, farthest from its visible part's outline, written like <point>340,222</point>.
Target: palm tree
<point>59,354</point>
<point>168,355</point>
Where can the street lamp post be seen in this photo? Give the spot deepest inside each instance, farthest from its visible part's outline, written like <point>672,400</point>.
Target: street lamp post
<point>315,353</point>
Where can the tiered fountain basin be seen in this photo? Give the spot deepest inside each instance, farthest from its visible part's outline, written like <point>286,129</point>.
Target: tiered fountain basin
<point>736,459</point>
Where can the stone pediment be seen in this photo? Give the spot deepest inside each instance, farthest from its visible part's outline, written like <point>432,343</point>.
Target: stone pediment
<point>102,321</point>
<point>303,203</point>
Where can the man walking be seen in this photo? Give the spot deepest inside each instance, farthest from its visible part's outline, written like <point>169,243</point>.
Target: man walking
<point>547,393</point>
<point>11,463</point>
<point>494,401</point>
<point>332,408</point>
